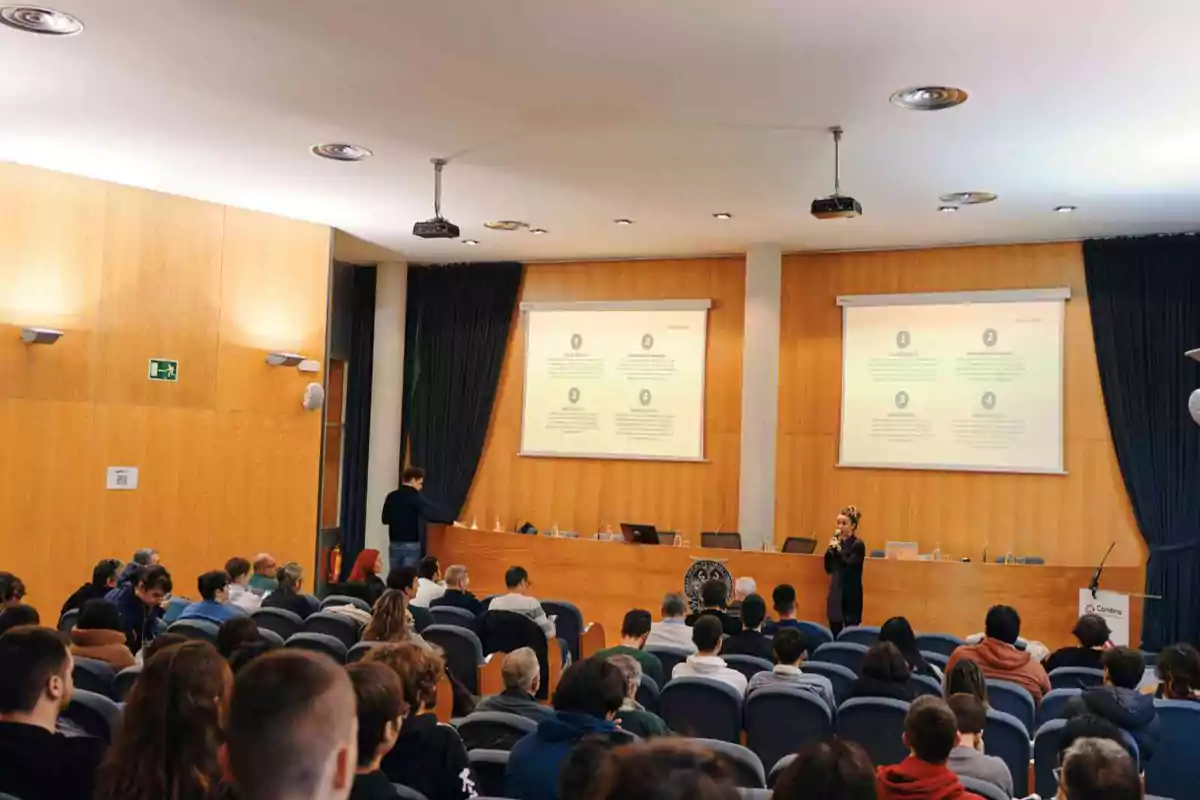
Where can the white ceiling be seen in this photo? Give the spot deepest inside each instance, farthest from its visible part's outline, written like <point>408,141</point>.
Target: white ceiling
<point>569,114</point>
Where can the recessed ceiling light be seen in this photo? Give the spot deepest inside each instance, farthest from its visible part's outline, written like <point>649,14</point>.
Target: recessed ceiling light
<point>622,221</point>
<point>928,98</point>
<point>968,198</point>
<point>341,151</point>
<point>471,242</point>
<point>1064,209</point>
<point>947,209</point>
<point>35,19</point>
<point>722,215</point>
<point>538,231</point>
<point>506,225</point>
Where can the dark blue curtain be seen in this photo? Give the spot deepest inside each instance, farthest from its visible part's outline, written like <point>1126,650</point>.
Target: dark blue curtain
<point>356,441</point>
<point>1144,295</point>
<point>457,326</point>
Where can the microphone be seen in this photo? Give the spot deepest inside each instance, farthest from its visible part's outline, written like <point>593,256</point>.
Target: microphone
<point>1094,584</point>
<point>985,546</point>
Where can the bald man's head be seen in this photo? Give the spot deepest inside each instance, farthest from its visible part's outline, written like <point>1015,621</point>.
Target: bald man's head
<point>293,730</point>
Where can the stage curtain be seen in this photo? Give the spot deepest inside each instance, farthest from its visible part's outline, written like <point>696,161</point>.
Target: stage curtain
<point>356,442</point>
<point>457,328</point>
<point>1144,295</point>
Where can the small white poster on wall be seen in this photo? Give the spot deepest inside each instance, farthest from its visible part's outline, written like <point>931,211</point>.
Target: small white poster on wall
<point>1113,607</point>
<point>122,478</point>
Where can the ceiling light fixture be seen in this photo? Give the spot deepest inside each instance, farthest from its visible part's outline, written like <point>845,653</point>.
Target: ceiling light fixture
<point>1064,209</point>
<point>341,151</point>
<point>282,359</point>
<point>538,231</point>
<point>722,215</point>
<point>35,19</point>
<point>947,209</point>
<point>471,242</point>
<point>928,98</point>
<point>968,198</point>
<point>622,221</point>
<point>506,225</point>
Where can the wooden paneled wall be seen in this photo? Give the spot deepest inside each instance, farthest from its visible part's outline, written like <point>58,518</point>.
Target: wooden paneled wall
<point>586,494</point>
<point>1068,519</point>
<point>228,458</point>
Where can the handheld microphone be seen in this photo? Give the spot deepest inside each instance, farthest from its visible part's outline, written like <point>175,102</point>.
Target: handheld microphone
<point>1094,584</point>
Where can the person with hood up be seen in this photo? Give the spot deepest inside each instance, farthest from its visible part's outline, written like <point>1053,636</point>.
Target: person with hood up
<point>998,657</point>
<point>707,663</point>
<point>587,698</point>
<point>930,733</point>
<point>1119,701</point>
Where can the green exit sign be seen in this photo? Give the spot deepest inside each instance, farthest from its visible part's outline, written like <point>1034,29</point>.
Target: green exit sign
<point>163,369</point>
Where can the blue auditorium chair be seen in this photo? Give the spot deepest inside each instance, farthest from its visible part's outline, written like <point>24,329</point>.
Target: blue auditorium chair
<point>280,620</point>
<point>865,635</point>
<point>815,634</point>
<point>1075,678</point>
<point>1175,769</point>
<point>193,628</point>
<point>781,719</point>
<point>318,643</point>
<point>669,657</point>
<point>923,684</point>
<point>359,650</point>
<point>942,643</point>
<point>847,654</point>
<point>95,714</point>
<point>648,694</point>
<point>123,683</point>
<point>841,677</point>
<point>748,772</point>
<point>877,724</point>
<point>748,665</point>
<point>464,652</point>
<point>1008,739</point>
<point>1012,698</point>
<point>568,623</point>
<point>345,600</point>
<point>453,615</point>
<point>702,708</point>
<point>96,676</point>
<point>489,767</point>
<point>1053,704</point>
<point>493,730</point>
<point>341,627</point>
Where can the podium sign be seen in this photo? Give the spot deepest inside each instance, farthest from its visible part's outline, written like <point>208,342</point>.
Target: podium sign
<point>1114,607</point>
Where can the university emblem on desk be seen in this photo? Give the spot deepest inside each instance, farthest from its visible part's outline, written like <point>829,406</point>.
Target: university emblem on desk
<point>698,574</point>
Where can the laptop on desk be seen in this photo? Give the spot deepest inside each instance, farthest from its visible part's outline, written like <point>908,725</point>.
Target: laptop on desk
<point>639,534</point>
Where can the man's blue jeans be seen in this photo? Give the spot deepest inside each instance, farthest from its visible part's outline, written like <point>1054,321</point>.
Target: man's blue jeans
<point>404,554</point>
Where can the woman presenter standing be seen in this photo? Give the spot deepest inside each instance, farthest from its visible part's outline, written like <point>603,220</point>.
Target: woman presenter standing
<point>844,563</point>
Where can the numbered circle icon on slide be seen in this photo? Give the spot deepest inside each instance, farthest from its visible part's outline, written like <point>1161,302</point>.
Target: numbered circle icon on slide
<point>573,395</point>
<point>644,397</point>
<point>903,339</point>
<point>901,399</point>
<point>647,341</point>
<point>576,341</point>
<point>988,400</point>
<point>990,337</point>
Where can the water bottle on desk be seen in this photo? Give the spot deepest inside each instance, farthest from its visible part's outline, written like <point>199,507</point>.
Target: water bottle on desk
<point>937,552</point>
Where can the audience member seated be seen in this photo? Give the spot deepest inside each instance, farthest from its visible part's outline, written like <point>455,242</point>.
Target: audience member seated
<point>104,580</point>
<point>998,656</point>
<point>18,615</point>
<point>404,579</point>
<point>1092,632</point>
<point>12,590</point>
<point>287,594</point>
<point>391,621</point>
<point>783,600</point>
<point>240,593</point>
<point>456,594</point>
<point>707,662</point>
<point>588,696</point>
<point>236,633</point>
<point>635,629</point>
<point>1098,769</point>
<point>140,604</point>
<point>788,652</point>
<point>379,700</point>
<point>1178,671</point>
<point>247,653</point>
<point>930,733</point>
<point>1119,701</point>
<point>713,594</point>
<point>160,642</point>
<point>662,770</point>
<point>266,574</point>
<point>836,769</point>
<point>751,641</point>
<point>214,604</point>
<point>967,759</point>
<point>366,570</point>
<point>899,632</point>
<point>1089,726</point>
<point>632,716</point>
<point>99,634</point>
<point>35,686</point>
<point>742,588</point>
<point>427,757</point>
<point>429,587</point>
<point>142,558</point>
<point>518,601</point>
<point>522,678</point>
<point>170,735</point>
<point>293,731</point>
<point>967,678</point>
<point>884,673</point>
<point>672,630</point>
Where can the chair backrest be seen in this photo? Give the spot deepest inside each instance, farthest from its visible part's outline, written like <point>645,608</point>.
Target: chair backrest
<point>748,665</point>
<point>841,677</point>
<point>778,769</point>
<point>1045,756</point>
<point>271,636</point>
<point>648,694</point>
<point>1053,704</point>
<point>123,683</point>
<point>175,607</point>
<point>201,629</point>
<point>1175,770</point>
<point>453,615</point>
<point>339,626</point>
<point>407,792</point>
<point>568,623</point>
<point>815,634</point>
<point>877,724</point>
<point>96,714</point>
<point>319,643</point>
<point>865,635</point>
<point>314,604</point>
<point>942,643</point>
<point>464,652</point>
<point>748,772</point>
<point>68,620</point>
<point>359,650</point>
<point>1075,677</point>
<point>1012,698</point>
<point>355,589</point>
<point>94,676</point>
<point>721,541</point>
<point>848,654</point>
<point>988,791</point>
<point>669,657</point>
<point>702,707</point>
<point>779,720</point>
<point>489,767</point>
<point>1007,738</point>
<point>280,620</point>
<point>923,684</point>
<point>345,600</point>
<point>937,659</point>
<point>494,730</point>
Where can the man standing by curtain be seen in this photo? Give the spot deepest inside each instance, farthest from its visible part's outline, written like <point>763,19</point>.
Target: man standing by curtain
<point>406,513</point>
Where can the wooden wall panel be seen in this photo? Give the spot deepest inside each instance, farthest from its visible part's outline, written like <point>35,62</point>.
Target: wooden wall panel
<point>586,494</point>
<point>1066,519</point>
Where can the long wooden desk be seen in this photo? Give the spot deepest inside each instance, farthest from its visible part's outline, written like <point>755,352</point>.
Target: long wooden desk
<point>606,579</point>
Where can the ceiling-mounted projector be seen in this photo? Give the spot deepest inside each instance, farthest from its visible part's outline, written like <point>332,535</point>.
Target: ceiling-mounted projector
<point>438,227</point>
<point>837,205</point>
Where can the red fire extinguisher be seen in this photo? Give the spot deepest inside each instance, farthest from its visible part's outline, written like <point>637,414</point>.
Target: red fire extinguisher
<point>335,563</point>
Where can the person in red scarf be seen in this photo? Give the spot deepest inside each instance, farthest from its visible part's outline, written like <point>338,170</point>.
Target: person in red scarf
<point>930,732</point>
<point>366,570</point>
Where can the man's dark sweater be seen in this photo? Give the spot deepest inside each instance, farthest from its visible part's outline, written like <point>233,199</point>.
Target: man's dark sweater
<point>37,764</point>
<point>459,599</point>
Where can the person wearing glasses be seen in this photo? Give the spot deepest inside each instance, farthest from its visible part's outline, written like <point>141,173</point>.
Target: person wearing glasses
<point>519,601</point>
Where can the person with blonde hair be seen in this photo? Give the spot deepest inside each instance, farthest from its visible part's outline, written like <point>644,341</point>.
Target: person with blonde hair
<point>390,620</point>
<point>456,594</point>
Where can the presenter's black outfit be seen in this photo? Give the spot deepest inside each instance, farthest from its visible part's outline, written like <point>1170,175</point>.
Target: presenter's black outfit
<point>844,605</point>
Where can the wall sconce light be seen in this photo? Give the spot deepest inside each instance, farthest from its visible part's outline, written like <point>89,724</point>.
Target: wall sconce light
<point>285,359</point>
<point>40,335</point>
